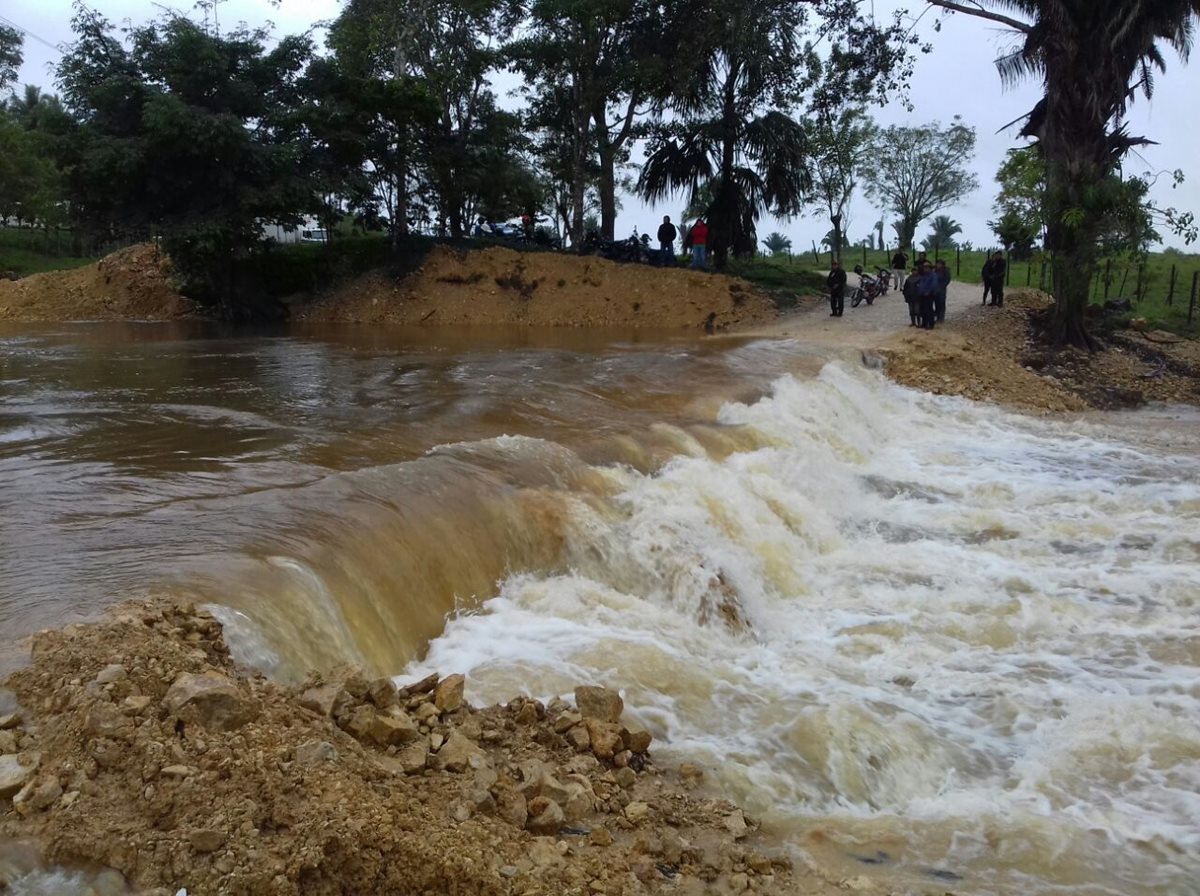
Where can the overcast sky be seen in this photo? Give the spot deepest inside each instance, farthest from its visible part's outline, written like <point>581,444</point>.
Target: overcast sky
<point>956,78</point>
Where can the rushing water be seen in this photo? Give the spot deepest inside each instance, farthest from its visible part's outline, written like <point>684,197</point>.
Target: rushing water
<point>919,637</point>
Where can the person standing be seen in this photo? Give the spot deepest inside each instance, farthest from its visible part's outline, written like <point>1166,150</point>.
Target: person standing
<point>836,282</point>
<point>912,297</point>
<point>666,241</point>
<point>994,271</point>
<point>927,287</point>
<point>939,301</point>
<point>699,238</point>
<point>899,266</point>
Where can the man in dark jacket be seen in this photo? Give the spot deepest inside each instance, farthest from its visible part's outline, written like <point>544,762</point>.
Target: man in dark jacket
<point>993,273</point>
<point>666,241</point>
<point>939,300</point>
<point>836,281</point>
<point>927,288</point>
<point>912,298</point>
<point>899,266</point>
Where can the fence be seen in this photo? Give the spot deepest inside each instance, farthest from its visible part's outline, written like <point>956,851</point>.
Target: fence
<point>1165,285</point>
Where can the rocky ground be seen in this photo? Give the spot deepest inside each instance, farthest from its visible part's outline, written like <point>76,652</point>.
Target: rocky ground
<point>991,354</point>
<point>545,289</point>
<point>133,749</point>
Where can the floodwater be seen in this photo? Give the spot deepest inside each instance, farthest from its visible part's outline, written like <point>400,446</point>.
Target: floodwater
<point>922,639</point>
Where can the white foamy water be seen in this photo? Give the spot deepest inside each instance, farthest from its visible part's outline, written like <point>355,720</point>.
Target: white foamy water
<point>961,643</point>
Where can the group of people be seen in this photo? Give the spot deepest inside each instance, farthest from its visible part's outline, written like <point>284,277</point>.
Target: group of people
<point>695,240</point>
<point>924,287</point>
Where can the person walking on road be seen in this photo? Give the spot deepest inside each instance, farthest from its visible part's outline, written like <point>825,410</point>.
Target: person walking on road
<point>666,241</point>
<point>698,236</point>
<point>899,266</point>
<point>836,282</point>
<point>994,270</point>
<point>912,298</point>
<point>927,288</point>
<point>939,300</point>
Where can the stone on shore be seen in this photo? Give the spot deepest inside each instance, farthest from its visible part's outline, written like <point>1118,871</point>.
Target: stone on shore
<point>596,702</point>
<point>211,700</point>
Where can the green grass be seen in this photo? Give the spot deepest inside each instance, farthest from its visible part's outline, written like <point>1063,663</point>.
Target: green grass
<point>784,279</point>
<point>27,251</point>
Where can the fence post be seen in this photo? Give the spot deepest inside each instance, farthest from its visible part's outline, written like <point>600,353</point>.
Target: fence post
<point>1107,278</point>
<point>1007,267</point>
<point>957,261</point>
<point>1137,289</point>
<point>1124,278</point>
<point>1028,272</point>
<point>1171,288</point>
<point>1042,276</point>
<point>1192,303</point>
<point>816,254</point>
<point>864,261</point>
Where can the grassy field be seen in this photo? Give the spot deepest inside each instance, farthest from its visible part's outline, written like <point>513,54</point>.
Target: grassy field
<point>26,252</point>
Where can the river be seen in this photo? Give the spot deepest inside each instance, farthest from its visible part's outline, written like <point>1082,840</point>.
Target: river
<point>920,638</point>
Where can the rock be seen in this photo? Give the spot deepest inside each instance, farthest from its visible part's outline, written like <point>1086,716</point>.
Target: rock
<point>690,772</point>
<point>352,680</point>
<point>211,700</point>
<point>111,673</point>
<point>105,720</point>
<point>635,737</point>
<point>392,729</point>
<point>545,817</point>
<point>136,704</point>
<point>178,771</point>
<point>637,811</point>
<point>426,713</point>
<point>449,693</point>
<point>206,840</point>
<point>358,723</point>
<point>382,692</point>
<point>8,742</point>
<point>626,778</point>
<point>600,836</point>
<point>507,871</point>
<point>578,804</point>
<point>414,757</point>
<point>512,806</point>
<point>457,753</point>
<point>424,686</point>
<point>739,882</point>
<point>736,825</point>
<point>436,740</point>
<point>481,801</point>
<point>566,721</point>
<point>622,759</point>
<point>528,713</point>
<point>323,699</point>
<point>312,752</point>
<point>604,738</point>
<point>579,739</point>
<point>595,702</point>
<point>13,776</point>
<point>11,720</point>
<point>37,795</point>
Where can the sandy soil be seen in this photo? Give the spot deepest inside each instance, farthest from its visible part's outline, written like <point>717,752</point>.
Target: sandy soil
<point>139,753</point>
<point>544,289</point>
<point>132,284</point>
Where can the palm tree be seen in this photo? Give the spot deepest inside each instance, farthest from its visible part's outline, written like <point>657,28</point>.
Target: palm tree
<point>942,235</point>
<point>1092,59</point>
<point>777,243</point>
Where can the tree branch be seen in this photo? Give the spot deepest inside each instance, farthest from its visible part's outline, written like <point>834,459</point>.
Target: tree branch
<point>1015,24</point>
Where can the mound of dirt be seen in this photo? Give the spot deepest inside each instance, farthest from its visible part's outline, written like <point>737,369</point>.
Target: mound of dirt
<point>131,284</point>
<point>546,289</point>
<point>990,354</point>
<point>139,753</point>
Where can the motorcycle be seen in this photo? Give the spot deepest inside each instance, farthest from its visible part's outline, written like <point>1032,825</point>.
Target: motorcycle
<point>869,288</point>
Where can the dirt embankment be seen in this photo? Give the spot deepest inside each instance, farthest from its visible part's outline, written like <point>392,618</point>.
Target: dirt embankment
<point>139,752</point>
<point>132,284</point>
<point>545,289</point>
<point>990,354</point>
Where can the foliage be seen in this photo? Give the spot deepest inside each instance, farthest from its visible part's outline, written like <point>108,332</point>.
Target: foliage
<point>749,70</point>
<point>777,244</point>
<point>1092,60</point>
<point>945,229</point>
<point>920,170</point>
<point>10,55</point>
<point>840,146</point>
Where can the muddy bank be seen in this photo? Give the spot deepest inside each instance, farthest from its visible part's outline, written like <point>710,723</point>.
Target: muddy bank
<point>990,354</point>
<point>543,289</point>
<point>137,752</point>
<point>132,284</point>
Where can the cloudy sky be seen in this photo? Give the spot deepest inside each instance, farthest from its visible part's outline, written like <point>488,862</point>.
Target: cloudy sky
<point>956,78</point>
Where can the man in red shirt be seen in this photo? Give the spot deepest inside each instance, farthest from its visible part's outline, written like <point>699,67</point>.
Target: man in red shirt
<point>698,236</point>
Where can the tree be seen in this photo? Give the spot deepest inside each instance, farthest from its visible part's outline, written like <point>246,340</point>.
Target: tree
<point>10,55</point>
<point>183,136</point>
<point>748,71</point>
<point>1092,59</point>
<point>917,171</point>
<point>777,244</point>
<point>945,229</point>
<point>1015,234</point>
<point>840,147</point>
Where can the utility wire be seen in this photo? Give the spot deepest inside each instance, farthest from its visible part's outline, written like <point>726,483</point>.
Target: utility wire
<point>41,40</point>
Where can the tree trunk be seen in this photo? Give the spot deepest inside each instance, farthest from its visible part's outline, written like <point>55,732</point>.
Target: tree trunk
<point>400,216</point>
<point>580,118</point>
<point>608,191</point>
<point>836,248</point>
<point>725,205</point>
